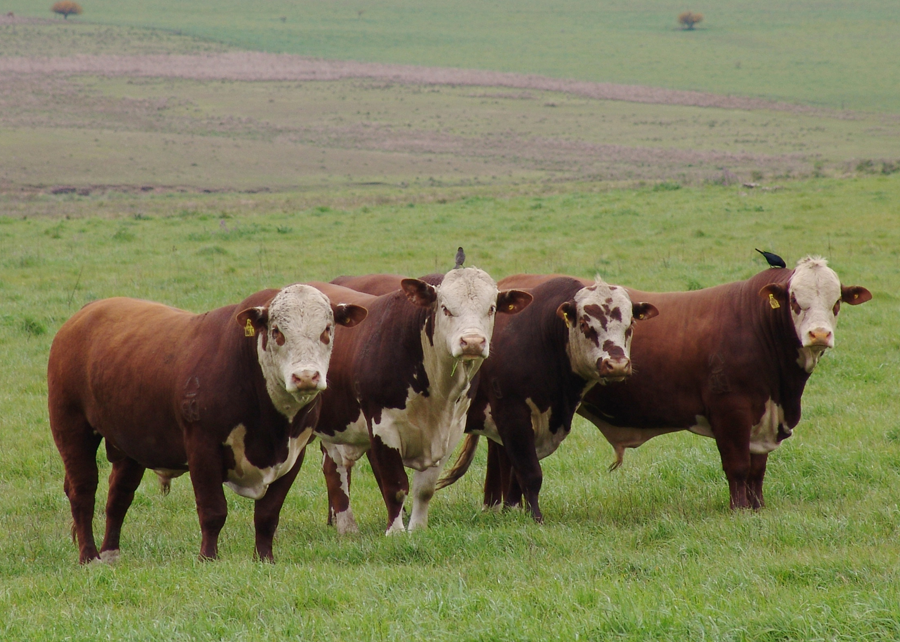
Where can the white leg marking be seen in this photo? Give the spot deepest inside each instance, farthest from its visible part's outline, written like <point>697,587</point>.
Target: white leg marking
<point>345,523</point>
<point>397,527</point>
<point>423,490</point>
<point>110,557</point>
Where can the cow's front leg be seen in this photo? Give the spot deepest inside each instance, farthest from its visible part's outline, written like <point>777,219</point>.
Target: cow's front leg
<point>755,480</point>
<point>515,428</point>
<point>336,469</point>
<point>732,434</point>
<point>394,483</point>
<point>424,482</point>
<point>267,510</point>
<point>207,470</point>
<point>495,475</point>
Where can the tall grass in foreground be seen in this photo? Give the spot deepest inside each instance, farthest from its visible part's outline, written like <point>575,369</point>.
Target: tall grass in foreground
<point>648,552</point>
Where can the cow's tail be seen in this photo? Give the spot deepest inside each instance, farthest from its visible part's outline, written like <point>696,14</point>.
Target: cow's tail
<point>462,463</point>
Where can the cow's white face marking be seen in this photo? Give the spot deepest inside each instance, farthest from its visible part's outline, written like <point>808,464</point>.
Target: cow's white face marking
<point>767,435</point>
<point>465,309</point>
<point>814,295</point>
<point>294,347</point>
<point>250,481</point>
<point>600,329</point>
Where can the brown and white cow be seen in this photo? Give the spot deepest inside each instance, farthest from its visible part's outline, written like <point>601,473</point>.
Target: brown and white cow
<point>728,362</point>
<point>231,395</point>
<point>400,386</point>
<point>544,360</point>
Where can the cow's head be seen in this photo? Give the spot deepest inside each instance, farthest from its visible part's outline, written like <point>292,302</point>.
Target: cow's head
<point>295,335</point>
<point>600,320</point>
<point>464,306</point>
<point>814,295</point>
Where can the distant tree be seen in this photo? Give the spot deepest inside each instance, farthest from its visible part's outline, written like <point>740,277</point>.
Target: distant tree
<point>66,7</point>
<point>688,19</point>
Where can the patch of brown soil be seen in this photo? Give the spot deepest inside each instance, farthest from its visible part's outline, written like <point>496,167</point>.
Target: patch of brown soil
<point>256,66</point>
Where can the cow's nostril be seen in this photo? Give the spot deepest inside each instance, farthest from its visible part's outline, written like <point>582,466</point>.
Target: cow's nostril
<point>306,379</point>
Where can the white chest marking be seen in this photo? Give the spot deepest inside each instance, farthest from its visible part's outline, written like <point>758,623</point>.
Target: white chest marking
<point>249,481</point>
<point>764,435</point>
<point>545,442</point>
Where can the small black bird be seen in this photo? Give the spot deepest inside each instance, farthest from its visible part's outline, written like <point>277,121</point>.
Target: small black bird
<point>460,259</point>
<point>773,260</point>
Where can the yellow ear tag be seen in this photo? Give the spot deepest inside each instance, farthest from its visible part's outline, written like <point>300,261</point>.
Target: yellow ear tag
<point>511,305</point>
<point>248,329</point>
<point>855,295</point>
<point>775,304</point>
<point>566,319</point>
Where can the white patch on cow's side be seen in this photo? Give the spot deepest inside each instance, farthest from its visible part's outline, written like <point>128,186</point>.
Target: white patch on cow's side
<point>111,556</point>
<point>301,313</point>
<point>490,427</point>
<point>764,435</point>
<point>701,427</point>
<point>247,480</point>
<point>813,291</point>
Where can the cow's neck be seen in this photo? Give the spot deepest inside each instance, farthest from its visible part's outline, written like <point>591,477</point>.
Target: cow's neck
<point>780,347</point>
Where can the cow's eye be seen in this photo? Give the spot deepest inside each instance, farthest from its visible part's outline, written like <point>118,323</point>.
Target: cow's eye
<point>492,310</point>
<point>836,308</point>
<point>447,312</point>
<point>277,336</point>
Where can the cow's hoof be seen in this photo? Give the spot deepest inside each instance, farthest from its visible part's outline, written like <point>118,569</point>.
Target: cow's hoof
<point>110,557</point>
<point>345,523</point>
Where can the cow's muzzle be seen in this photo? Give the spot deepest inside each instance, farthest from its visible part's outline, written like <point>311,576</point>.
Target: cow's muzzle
<point>307,381</point>
<point>614,369</point>
<point>473,346</point>
<point>820,338</point>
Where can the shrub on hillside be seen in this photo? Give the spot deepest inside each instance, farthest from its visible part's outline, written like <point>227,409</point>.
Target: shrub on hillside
<point>66,7</point>
<point>688,19</point>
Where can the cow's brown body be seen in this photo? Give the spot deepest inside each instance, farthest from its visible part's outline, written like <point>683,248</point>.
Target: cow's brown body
<point>166,389</point>
<point>721,362</point>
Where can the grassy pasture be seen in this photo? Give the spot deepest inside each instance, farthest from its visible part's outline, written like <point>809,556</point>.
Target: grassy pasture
<point>830,54</point>
<point>649,552</point>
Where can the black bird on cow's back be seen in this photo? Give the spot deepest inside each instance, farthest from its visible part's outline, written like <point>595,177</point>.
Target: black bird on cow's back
<point>773,260</point>
<point>460,259</point>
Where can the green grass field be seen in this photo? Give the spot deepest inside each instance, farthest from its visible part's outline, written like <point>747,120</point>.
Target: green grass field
<point>832,54</point>
<point>196,193</point>
<point>648,552</point>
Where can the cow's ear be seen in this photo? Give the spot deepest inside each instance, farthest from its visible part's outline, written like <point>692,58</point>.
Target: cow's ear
<point>855,294</point>
<point>568,312</point>
<point>418,292</point>
<point>775,293</point>
<point>348,314</point>
<point>642,311</point>
<point>255,321</point>
<point>513,301</point>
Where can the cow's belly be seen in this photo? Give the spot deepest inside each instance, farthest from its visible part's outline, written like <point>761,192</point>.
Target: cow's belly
<point>426,431</point>
<point>250,481</point>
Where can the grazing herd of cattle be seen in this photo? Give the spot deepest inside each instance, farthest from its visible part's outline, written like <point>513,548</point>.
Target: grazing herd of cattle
<point>414,365</point>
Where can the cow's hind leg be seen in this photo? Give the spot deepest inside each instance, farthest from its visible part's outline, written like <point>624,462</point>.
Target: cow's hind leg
<point>755,480</point>
<point>337,480</point>
<point>514,425</point>
<point>124,479</point>
<point>77,443</point>
<point>494,482</point>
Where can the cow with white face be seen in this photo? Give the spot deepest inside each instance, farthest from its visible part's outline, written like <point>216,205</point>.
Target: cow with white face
<point>574,335</point>
<point>230,395</point>
<point>729,362</point>
<point>400,390</point>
